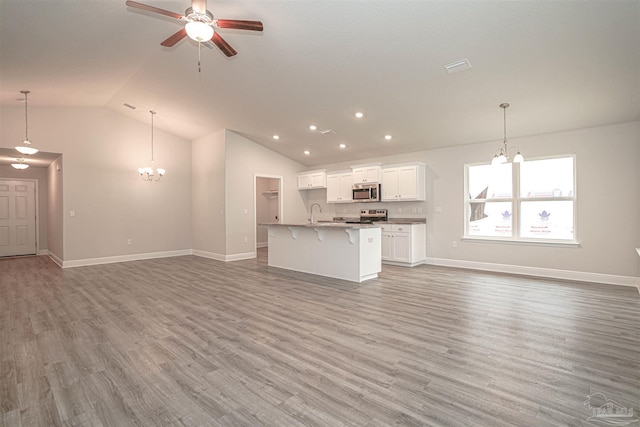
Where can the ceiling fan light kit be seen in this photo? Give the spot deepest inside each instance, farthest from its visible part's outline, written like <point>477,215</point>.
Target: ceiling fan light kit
<point>200,25</point>
<point>199,31</point>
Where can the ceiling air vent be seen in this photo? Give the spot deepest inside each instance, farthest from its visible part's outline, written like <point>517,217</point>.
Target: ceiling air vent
<point>327,132</point>
<point>457,66</point>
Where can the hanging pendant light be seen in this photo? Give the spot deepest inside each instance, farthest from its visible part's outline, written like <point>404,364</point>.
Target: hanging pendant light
<point>20,164</point>
<point>502,155</point>
<point>26,148</point>
<point>149,173</point>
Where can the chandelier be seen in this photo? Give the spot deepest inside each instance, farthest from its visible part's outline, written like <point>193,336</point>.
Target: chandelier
<point>149,173</point>
<point>502,155</point>
<point>26,148</point>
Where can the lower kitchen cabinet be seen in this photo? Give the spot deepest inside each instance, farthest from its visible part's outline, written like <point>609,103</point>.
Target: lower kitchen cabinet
<point>404,244</point>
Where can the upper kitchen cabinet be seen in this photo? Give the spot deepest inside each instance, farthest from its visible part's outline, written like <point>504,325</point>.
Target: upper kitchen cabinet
<point>312,179</point>
<point>403,183</point>
<point>366,174</point>
<point>340,187</point>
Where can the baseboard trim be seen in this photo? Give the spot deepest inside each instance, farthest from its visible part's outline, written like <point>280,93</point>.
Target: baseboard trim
<point>124,258</point>
<point>609,279</point>
<point>43,252</point>
<point>239,257</point>
<point>55,259</point>
<point>224,258</point>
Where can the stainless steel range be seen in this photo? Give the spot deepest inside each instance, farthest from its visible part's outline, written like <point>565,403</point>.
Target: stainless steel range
<point>369,216</point>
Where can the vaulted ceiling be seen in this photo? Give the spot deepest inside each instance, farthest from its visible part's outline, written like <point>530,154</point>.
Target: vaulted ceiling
<point>560,64</point>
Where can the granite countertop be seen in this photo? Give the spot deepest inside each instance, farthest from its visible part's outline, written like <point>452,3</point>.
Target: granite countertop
<point>326,225</point>
<point>405,221</point>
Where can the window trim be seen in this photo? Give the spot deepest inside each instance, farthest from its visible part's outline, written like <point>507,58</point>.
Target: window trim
<point>516,201</point>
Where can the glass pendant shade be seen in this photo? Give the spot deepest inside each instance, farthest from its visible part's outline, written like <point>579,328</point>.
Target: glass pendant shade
<point>518,158</point>
<point>20,164</point>
<point>26,148</point>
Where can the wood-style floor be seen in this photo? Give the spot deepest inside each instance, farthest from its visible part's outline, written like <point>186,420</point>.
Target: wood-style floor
<point>196,342</point>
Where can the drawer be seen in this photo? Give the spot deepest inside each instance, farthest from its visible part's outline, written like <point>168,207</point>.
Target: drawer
<point>401,227</point>
<point>387,227</point>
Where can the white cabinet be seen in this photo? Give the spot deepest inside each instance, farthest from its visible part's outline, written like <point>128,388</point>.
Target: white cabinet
<point>403,183</point>
<point>340,187</point>
<point>404,244</point>
<point>310,180</point>
<point>366,174</point>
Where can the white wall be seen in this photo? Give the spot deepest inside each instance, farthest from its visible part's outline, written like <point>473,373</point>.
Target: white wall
<point>608,207</point>
<point>102,152</point>
<point>245,159</point>
<point>208,194</point>
<point>55,212</point>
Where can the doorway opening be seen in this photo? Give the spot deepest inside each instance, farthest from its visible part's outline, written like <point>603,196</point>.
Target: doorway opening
<point>268,206</point>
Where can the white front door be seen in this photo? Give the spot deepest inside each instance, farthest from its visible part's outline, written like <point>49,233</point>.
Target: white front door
<point>17,218</point>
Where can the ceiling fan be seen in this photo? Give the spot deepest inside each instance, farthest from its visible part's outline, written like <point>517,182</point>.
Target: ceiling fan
<point>200,24</point>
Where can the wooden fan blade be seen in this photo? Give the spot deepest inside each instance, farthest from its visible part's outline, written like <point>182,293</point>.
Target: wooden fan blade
<point>199,6</point>
<point>154,9</point>
<point>223,45</point>
<point>239,25</point>
<point>175,38</point>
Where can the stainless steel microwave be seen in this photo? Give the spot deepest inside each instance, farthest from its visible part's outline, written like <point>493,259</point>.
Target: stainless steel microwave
<point>366,193</point>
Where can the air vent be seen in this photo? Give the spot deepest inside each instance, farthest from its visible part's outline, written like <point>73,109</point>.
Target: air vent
<point>457,66</point>
<point>327,132</point>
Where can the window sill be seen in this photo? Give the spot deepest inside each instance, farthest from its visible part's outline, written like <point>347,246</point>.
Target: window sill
<point>522,242</point>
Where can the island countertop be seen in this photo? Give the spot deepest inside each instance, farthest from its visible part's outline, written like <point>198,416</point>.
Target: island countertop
<point>343,251</point>
<point>325,225</point>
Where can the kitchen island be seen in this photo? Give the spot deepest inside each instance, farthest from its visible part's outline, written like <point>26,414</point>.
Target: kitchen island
<point>342,251</point>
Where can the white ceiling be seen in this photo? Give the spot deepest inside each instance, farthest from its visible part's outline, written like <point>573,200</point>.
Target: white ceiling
<point>561,64</point>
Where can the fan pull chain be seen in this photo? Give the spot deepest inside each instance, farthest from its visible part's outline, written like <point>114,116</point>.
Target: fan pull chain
<point>199,49</point>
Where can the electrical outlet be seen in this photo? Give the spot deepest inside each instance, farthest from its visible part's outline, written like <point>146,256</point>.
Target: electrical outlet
<point>399,210</point>
<point>129,242</point>
<point>438,209</point>
<point>246,240</point>
<point>419,210</point>
<point>454,244</point>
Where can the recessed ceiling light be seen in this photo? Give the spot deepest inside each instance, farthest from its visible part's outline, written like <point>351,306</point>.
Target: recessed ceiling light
<point>343,145</point>
<point>359,115</point>
<point>313,127</point>
<point>276,137</point>
<point>388,137</point>
<point>307,152</point>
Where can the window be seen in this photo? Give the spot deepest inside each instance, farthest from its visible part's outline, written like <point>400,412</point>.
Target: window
<point>530,201</point>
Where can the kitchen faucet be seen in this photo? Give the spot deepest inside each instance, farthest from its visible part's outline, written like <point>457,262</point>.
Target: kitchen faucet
<point>311,212</point>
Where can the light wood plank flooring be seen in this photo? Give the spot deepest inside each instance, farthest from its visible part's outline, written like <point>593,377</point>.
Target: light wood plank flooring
<point>196,342</point>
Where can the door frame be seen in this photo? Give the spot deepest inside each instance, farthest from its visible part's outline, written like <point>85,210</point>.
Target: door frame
<point>280,179</point>
<point>37,208</point>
